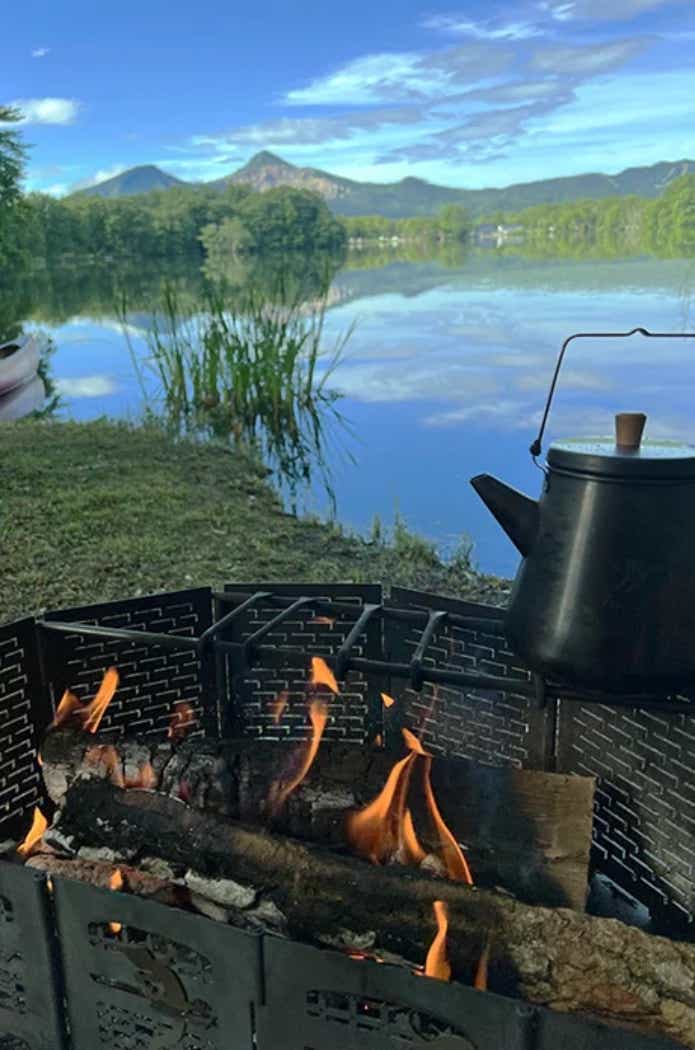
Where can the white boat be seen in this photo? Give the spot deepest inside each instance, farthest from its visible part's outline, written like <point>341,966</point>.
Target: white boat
<point>19,360</point>
<point>22,400</point>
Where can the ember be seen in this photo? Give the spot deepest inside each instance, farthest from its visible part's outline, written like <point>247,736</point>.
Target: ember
<point>116,883</point>
<point>181,722</point>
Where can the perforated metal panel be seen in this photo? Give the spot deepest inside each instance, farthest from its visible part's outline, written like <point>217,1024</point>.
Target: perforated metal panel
<point>30,988</point>
<point>152,680</point>
<point>644,821</point>
<point>23,715</point>
<point>354,715</point>
<point>322,1000</point>
<point>166,980</point>
<point>494,727</point>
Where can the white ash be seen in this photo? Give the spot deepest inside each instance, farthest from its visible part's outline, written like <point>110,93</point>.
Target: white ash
<point>161,868</point>
<point>359,942</point>
<point>55,838</point>
<point>433,865</point>
<point>138,756</point>
<point>104,855</point>
<point>226,892</point>
<point>267,916</point>
<point>209,908</point>
<point>330,800</point>
<point>55,778</point>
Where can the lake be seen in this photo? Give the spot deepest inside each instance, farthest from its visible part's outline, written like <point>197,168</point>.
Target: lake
<point>444,376</point>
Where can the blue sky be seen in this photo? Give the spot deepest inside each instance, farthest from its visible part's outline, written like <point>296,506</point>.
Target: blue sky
<point>474,94</point>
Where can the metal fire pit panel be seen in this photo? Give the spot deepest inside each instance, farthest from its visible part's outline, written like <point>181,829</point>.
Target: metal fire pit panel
<point>499,728</point>
<point>355,714</point>
<point>166,980</point>
<point>24,714</point>
<point>644,820</point>
<point>322,1000</point>
<point>152,679</point>
<point>30,990</point>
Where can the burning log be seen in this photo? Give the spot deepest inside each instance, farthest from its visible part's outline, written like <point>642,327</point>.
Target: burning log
<point>554,957</point>
<point>526,830</point>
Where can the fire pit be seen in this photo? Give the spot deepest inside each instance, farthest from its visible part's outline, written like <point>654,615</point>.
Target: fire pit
<point>212,709</point>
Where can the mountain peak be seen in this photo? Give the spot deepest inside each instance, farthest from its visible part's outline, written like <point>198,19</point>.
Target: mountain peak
<point>265,159</point>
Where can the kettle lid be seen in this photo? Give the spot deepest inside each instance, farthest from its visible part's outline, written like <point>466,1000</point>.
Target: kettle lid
<point>625,455</point>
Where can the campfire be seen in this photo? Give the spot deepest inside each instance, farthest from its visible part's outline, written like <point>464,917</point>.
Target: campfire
<point>424,894</point>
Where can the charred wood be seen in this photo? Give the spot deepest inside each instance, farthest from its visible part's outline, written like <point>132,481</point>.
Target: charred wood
<point>554,957</point>
<point>525,830</point>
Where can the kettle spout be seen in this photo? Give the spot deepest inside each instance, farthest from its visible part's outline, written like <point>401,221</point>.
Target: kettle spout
<point>516,513</point>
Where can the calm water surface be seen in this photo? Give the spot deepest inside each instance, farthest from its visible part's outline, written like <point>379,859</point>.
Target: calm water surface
<point>445,377</point>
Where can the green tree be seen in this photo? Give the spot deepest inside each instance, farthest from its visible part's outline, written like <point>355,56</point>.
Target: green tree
<point>12,157</point>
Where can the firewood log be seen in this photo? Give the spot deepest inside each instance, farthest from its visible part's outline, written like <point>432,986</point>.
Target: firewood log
<point>526,830</point>
<point>550,956</point>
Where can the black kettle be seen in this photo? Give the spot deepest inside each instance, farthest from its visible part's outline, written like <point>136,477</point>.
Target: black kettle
<point>604,598</point>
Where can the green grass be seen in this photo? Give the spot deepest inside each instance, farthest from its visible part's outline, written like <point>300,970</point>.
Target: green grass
<point>98,511</point>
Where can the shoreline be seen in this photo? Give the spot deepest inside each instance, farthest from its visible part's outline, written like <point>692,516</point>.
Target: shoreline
<point>106,510</point>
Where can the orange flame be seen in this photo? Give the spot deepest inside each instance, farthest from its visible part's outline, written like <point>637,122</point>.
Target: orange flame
<point>384,828</point>
<point>94,712</point>
<point>413,743</point>
<point>378,740</point>
<point>321,674</point>
<point>278,705</point>
<point>105,755</point>
<point>34,834</point>
<point>68,705</point>
<point>387,700</point>
<point>182,718</point>
<point>480,979</point>
<point>116,883</point>
<point>436,964</point>
<point>329,620</point>
<point>280,791</point>
<point>452,855</point>
<point>89,715</point>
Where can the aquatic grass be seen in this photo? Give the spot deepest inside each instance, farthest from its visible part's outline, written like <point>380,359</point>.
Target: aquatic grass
<point>254,370</point>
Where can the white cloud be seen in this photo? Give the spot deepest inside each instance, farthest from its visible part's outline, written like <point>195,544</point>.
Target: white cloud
<point>407,76</point>
<point>482,30</point>
<point>86,386</point>
<point>56,189</point>
<point>589,60</point>
<point>40,52</point>
<point>47,110</point>
<point>606,10</point>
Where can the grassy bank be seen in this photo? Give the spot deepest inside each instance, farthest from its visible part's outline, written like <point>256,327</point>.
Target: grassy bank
<point>96,511</point>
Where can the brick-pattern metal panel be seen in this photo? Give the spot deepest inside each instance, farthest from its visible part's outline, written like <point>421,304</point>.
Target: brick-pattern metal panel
<point>23,716</point>
<point>354,715</point>
<point>152,679</point>
<point>30,990</point>
<point>644,821</point>
<point>158,978</point>
<point>493,727</point>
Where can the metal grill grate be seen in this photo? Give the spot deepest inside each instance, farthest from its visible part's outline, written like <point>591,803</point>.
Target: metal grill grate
<point>494,727</point>
<point>644,822</point>
<point>355,714</point>
<point>151,679</point>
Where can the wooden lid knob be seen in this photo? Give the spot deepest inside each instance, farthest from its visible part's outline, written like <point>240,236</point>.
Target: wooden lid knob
<point>628,429</point>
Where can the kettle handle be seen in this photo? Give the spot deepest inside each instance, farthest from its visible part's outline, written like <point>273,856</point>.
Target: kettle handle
<point>536,448</point>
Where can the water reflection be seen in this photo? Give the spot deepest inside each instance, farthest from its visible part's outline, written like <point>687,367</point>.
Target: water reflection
<point>443,377</point>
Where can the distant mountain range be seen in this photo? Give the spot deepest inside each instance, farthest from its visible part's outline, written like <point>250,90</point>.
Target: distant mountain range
<point>410,196</point>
